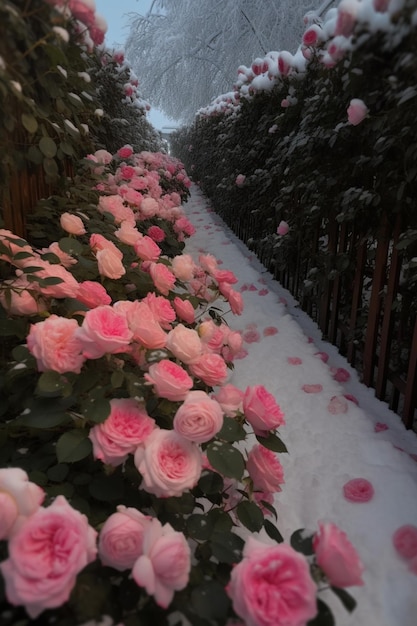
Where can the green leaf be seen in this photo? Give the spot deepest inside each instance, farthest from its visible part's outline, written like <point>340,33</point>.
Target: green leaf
<point>221,520</point>
<point>43,420</point>
<point>66,148</point>
<point>29,122</point>
<point>200,527</point>
<point>211,601</point>
<point>96,409</point>
<point>71,246</point>
<point>324,616</point>
<point>13,328</point>
<point>50,166</point>
<point>226,547</point>
<point>58,473</point>
<point>302,543</point>
<point>345,598</point>
<point>48,147</point>
<point>117,379</point>
<point>250,515</point>
<point>226,459</point>
<point>272,442</point>
<point>273,531</point>
<point>73,446</point>
<point>50,384</point>
<point>35,155</point>
<point>210,482</point>
<point>231,430</point>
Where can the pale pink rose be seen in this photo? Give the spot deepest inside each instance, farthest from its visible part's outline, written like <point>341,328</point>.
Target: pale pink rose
<point>265,470</point>
<point>45,556</point>
<point>22,300</point>
<point>358,490</point>
<point>147,249</point>
<point>182,225</point>
<point>99,243</point>
<point>133,197</point>
<point>68,286</point>
<point>225,276</point>
<point>128,234</point>
<point>120,541</point>
<point>208,262</point>
<point>346,17</point>
<point>162,277</point>
<point>127,425</point>
<point>109,264</point>
<point>234,340</point>
<point>19,498</point>
<point>210,368</point>
<point>261,410</point>
<point>115,206</point>
<point>66,259</point>
<point>8,239</point>
<point>144,326</point>
<point>336,556</point>
<point>230,399</point>
<point>161,308</point>
<point>184,310</point>
<point>282,228</point>
<point>183,267</point>
<point>55,345</point>
<point>149,207</point>
<point>156,233</point>
<point>236,301</point>
<point>171,381</point>
<point>199,418</point>
<point>72,224</point>
<point>165,564</point>
<point>168,463</point>
<point>272,585</point>
<point>126,151</point>
<point>240,180</point>
<point>92,294</point>
<point>405,541</point>
<point>103,331</point>
<point>103,156</point>
<point>357,111</point>
<point>185,344</point>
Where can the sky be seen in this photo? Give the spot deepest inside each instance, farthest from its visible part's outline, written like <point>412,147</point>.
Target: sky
<point>331,440</point>
<point>116,13</point>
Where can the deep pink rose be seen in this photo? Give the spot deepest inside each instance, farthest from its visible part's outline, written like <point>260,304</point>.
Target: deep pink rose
<point>265,470</point>
<point>171,381</point>
<point>185,344</point>
<point>103,331</point>
<point>230,399</point>
<point>125,151</point>
<point>405,541</point>
<point>168,463</point>
<point>184,310</point>
<point>55,345</point>
<point>92,294</point>
<point>156,233</point>
<point>19,498</point>
<point>121,538</point>
<point>72,224</point>
<point>210,368</point>
<point>165,564</point>
<point>357,111</point>
<point>127,425</point>
<point>358,490</point>
<point>45,556</point>
<point>199,418</point>
<point>337,557</point>
<point>272,586</point>
<point>283,228</point>
<point>261,410</point>
<point>162,278</point>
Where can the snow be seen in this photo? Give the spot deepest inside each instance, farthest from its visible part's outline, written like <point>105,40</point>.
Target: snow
<point>326,450</point>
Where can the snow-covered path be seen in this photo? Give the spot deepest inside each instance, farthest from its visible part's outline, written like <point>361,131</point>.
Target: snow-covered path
<point>330,439</point>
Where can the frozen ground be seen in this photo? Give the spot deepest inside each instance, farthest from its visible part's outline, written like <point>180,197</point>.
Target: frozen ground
<point>330,439</point>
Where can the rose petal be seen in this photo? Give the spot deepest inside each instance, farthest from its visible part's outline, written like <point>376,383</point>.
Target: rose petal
<point>269,331</point>
<point>337,405</point>
<point>380,426</point>
<point>358,490</point>
<point>312,388</point>
<point>405,541</point>
<point>294,360</point>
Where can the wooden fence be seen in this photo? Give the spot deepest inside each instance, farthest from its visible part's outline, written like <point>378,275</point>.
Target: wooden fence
<point>368,314</point>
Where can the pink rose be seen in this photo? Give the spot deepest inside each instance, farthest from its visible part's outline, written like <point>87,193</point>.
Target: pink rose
<point>162,309</point>
<point>272,585</point>
<point>210,368</point>
<point>103,331</point>
<point>225,276</point>
<point>283,228</point>
<point>199,418</point>
<point>149,207</point>
<point>261,410</point>
<point>185,344</point>
<point>19,498</point>
<point>208,262</point>
<point>127,425</point>
<point>109,264</point>
<point>165,564</point>
<point>337,557</point>
<point>162,277</point>
<point>313,35</point>
<point>9,239</point>
<point>92,294</point>
<point>72,224</point>
<point>236,301</point>
<point>116,207</point>
<point>147,249</point>
<point>121,538</point>
<point>99,243</point>
<point>68,286</point>
<point>128,234</point>
<point>183,267</point>
<point>55,345</point>
<point>285,62</point>
<point>45,556</point>
<point>156,233</point>
<point>230,399</point>
<point>168,463</point>
<point>357,111</point>
<point>171,381</point>
<point>184,310</point>
<point>144,326</point>
<point>240,180</point>
<point>346,17</point>
<point>265,470</point>
<point>126,151</point>
<point>22,297</point>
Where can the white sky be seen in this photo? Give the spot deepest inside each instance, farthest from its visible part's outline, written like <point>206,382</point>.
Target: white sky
<point>116,13</point>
